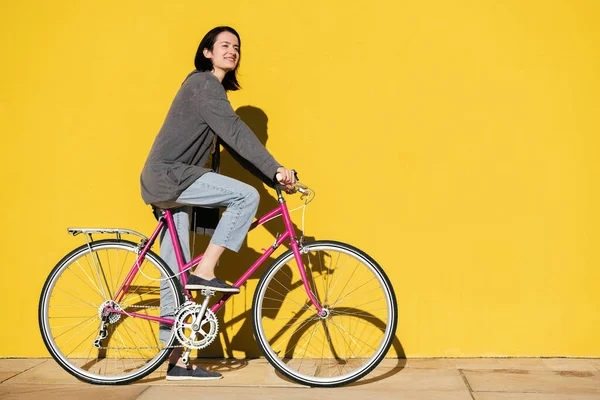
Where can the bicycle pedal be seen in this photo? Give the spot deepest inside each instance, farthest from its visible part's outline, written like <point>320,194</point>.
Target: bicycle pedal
<point>207,292</point>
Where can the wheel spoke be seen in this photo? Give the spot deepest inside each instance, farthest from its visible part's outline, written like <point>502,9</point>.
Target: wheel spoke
<point>354,290</point>
<point>69,330</point>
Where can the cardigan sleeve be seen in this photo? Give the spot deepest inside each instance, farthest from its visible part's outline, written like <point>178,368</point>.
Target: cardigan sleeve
<point>217,112</point>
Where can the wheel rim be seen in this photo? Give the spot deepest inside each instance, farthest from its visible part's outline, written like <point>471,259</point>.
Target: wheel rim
<point>337,348</point>
<point>74,297</point>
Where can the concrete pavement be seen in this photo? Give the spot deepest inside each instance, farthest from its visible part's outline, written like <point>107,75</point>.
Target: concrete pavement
<point>439,378</point>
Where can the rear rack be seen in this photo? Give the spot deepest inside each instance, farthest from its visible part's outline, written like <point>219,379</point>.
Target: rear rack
<point>116,231</point>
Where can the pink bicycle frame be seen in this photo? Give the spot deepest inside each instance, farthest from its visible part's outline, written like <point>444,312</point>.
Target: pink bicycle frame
<point>168,219</point>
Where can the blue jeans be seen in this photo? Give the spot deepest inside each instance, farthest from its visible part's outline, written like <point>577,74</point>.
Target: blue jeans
<point>210,190</point>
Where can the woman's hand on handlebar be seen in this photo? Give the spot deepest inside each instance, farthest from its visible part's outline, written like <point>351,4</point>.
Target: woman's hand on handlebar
<point>286,177</point>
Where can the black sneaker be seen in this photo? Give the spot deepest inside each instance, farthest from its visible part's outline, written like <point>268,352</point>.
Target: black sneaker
<point>176,373</point>
<point>196,283</point>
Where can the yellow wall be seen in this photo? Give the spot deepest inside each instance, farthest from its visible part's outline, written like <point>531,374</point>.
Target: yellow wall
<point>458,138</point>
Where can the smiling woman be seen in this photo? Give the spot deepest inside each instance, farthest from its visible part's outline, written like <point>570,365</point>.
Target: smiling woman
<point>176,176</point>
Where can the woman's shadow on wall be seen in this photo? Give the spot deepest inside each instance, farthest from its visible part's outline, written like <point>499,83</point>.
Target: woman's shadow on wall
<point>235,264</point>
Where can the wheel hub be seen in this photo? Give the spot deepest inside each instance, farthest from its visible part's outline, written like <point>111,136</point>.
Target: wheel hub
<point>107,308</point>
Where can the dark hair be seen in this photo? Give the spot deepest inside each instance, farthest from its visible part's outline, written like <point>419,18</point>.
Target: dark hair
<point>202,63</point>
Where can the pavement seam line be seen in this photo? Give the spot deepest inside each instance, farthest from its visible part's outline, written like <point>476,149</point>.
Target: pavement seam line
<point>466,381</point>
<point>25,370</point>
<point>142,392</point>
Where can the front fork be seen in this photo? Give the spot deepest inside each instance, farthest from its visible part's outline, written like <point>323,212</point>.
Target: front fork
<point>298,256</point>
<point>296,250</point>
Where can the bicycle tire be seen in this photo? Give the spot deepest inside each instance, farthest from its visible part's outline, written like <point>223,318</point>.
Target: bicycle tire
<point>334,361</point>
<point>68,292</point>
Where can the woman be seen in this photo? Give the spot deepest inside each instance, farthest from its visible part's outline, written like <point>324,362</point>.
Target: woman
<point>174,174</point>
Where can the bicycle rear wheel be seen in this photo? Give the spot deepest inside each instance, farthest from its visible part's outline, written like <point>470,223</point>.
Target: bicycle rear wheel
<point>77,291</point>
<point>340,347</point>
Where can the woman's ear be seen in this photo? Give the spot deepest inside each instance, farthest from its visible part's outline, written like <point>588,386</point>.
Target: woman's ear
<point>207,53</point>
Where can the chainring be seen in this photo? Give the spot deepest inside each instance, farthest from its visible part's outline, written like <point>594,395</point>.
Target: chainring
<point>183,327</point>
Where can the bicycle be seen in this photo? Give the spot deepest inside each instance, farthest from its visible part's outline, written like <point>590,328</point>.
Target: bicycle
<point>326,321</point>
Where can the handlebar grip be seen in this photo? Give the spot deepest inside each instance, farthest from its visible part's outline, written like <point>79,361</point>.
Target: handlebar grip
<point>278,176</point>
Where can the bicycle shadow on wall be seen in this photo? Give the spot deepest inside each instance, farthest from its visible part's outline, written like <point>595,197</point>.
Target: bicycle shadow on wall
<point>233,265</point>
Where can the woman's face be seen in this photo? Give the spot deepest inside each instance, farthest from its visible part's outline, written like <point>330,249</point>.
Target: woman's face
<point>225,54</point>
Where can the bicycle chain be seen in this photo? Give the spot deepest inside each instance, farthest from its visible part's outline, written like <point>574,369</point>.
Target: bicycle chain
<point>123,308</point>
<point>174,311</point>
<point>140,348</point>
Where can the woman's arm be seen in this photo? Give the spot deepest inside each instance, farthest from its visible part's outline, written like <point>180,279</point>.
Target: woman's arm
<point>220,117</point>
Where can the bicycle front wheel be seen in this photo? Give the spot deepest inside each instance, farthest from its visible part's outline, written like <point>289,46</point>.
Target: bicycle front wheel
<point>353,335</point>
<point>77,292</point>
